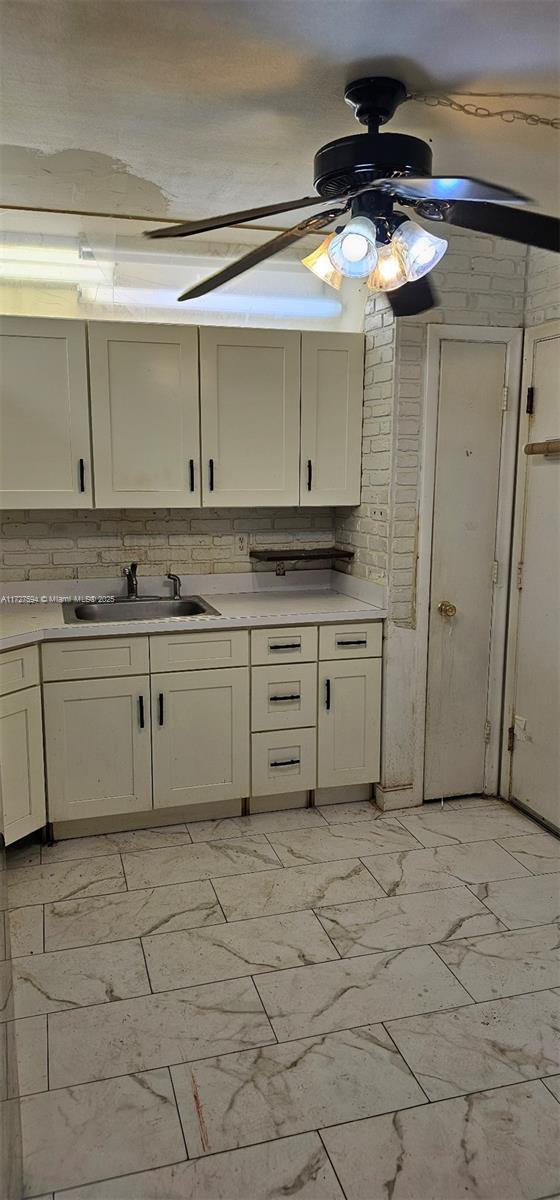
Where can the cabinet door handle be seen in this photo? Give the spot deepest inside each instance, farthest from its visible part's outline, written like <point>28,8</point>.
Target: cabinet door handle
<point>191,474</point>
<point>141,711</point>
<point>309,474</point>
<point>327,694</point>
<point>286,646</point>
<point>82,475</point>
<point>286,762</point>
<point>211,474</point>
<point>160,708</point>
<point>292,696</point>
<point>355,642</point>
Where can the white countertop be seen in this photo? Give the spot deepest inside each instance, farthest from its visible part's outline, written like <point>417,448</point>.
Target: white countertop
<point>25,623</point>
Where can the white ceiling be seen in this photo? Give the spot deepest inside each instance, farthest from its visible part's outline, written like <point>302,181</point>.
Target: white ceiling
<point>191,107</point>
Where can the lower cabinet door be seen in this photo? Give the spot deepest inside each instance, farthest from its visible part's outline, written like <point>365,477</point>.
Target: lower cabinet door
<point>200,736</point>
<point>349,721</point>
<point>97,737</point>
<point>21,763</point>
<point>284,761</point>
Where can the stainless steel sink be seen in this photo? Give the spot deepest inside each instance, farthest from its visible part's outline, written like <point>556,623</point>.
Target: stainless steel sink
<point>144,608</point>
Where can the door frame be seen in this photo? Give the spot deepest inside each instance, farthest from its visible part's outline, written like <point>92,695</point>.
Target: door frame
<point>533,335</point>
<point>513,340</point>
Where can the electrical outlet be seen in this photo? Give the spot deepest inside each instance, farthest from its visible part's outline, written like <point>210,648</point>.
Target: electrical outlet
<point>241,542</point>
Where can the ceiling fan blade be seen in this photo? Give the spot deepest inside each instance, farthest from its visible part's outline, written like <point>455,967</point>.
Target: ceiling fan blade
<point>530,228</point>
<point>234,218</point>
<point>413,298</point>
<point>444,188</point>
<point>260,253</point>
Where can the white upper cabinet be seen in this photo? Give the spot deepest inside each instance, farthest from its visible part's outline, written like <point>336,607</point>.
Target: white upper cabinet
<point>331,418</point>
<point>45,459</point>
<point>144,405</point>
<point>250,404</point>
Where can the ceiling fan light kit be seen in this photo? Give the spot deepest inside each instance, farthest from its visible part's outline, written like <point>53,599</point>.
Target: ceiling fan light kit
<point>367,174</point>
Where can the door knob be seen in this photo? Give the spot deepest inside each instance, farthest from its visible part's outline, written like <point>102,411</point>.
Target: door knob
<point>446,608</point>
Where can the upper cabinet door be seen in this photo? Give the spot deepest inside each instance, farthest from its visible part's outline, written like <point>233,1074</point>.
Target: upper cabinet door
<point>45,458</point>
<point>250,386</point>
<point>332,387</point>
<point>144,403</point>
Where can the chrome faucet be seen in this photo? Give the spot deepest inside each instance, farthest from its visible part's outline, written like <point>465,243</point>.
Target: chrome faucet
<point>176,585</point>
<point>131,580</point>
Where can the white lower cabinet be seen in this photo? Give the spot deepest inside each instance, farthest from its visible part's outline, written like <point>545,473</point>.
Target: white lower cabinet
<point>200,723</point>
<point>349,721</point>
<point>284,761</point>
<point>97,734</point>
<point>21,763</point>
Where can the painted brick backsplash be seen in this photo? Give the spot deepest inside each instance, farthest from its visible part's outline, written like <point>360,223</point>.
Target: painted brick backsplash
<point>86,545</point>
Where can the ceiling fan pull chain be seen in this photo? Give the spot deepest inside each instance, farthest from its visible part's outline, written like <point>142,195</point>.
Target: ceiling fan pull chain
<point>509,115</point>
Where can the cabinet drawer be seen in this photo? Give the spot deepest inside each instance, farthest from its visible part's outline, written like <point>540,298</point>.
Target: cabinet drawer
<point>199,650</point>
<point>95,658</point>
<point>351,641</point>
<point>283,761</point>
<point>18,669</point>
<point>284,645</point>
<point>283,697</point>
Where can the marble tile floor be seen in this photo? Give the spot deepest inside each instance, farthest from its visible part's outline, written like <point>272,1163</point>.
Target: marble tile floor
<point>330,1004</point>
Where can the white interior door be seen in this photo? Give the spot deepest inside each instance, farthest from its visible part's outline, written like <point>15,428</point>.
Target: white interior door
<point>332,398</point>
<point>45,459</point>
<point>472,493</point>
<point>145,419</point>
<point>250,401</point>
<point>533,687</point>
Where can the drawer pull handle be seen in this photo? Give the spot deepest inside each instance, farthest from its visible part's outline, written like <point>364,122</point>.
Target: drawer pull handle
<point>286,762</point>
<point>286,646</point>
<point>160,708</point>
<point>292,696</point>
<point>141,711</point>
<point>211,474</point>
<point>82,475</point>
<point>355,642</point>
<point>309,474</point>
<point>191,474</point>
<point>327,694</point>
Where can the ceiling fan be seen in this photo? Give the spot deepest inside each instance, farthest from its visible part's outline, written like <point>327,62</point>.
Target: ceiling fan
<point>366,174</point>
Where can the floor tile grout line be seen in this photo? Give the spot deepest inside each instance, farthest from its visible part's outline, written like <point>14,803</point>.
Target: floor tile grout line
<point>274,1042</point>
<point>348,959</point>
<point>404,1058</point>
<point>179,1117</point>
<point>533,874</point>
<point>329,1160</point>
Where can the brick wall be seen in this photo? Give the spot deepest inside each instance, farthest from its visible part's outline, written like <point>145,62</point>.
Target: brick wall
<point>481,282</point>
<point>542,296</point>
<point>85,545</point>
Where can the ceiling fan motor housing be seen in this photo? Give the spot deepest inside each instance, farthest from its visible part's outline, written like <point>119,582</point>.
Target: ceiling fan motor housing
<point>354,161</point>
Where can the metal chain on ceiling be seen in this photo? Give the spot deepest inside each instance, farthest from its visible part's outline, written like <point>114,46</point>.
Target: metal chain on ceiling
<point>509,115</point>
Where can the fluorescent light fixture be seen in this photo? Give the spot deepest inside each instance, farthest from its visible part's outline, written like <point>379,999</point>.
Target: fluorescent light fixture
<point>319,262</point>
<point>353,251</point>
<point>219,302</point>
<point>52,272</point>
<point>418,250</point>
<point>389,273</point>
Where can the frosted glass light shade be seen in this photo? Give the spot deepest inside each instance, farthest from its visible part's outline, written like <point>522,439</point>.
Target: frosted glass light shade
<point>389,272</point>
<point>353,251</point>
<point>319,262</point>
<point>418,250</point>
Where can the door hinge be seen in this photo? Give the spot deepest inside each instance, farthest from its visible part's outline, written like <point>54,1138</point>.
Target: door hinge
<point>495,571</point>
<point>487,731</point>
<point>519,575</point>
<point>505,398</point>
<point>510,737</point>
<point>530,407</point>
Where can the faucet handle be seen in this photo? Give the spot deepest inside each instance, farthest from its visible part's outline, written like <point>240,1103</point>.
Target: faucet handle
<point>176,581</point>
